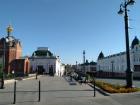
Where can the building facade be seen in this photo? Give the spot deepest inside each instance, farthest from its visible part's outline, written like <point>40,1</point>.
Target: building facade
<point>21,66</point>
<point>43,61</point>
<point>88,67</point>
<point>10,52</point>
<point>115,65</point>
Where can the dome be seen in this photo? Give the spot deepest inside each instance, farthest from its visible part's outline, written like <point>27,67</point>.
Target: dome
<point>135,42</point>
<point>9,28</point>
<point>101,55</point>
<point>42,53</point>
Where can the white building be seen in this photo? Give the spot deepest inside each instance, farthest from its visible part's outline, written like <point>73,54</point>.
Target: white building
<point>116,63</point>
<point>44,61</point>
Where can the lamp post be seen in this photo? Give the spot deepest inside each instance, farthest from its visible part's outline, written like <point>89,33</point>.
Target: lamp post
<point>84,70</point>
<point>36,73</point>
<point>129,72</point>
<point>13,72</point>
<point>3,66</point>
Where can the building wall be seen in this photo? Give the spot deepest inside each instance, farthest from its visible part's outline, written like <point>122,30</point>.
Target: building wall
<point>21,66</point>
<point>47,64</point>
<point>26,66</point>
<point>117,63</point>
<point>58,68</point>
<point>11,53</point>
<point>18,50</point>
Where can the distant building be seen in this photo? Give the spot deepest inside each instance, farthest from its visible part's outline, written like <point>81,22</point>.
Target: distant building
<point>44,61</point>
<point>11,53</point>
<point>115,65</point>
<point>88,67</point>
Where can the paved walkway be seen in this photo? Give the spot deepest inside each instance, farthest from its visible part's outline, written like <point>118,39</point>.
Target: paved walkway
<point>60,91</point>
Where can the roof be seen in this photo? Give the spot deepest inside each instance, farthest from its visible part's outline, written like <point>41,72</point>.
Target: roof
<point>135,42</point>
<point>101,55</point>
<point>42,53</point>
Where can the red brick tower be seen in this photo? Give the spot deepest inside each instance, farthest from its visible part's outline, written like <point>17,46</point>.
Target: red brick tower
<point>10,49</point>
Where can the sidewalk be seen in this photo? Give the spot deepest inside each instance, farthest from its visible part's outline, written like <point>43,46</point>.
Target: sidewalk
<point>20,79</point>
<point>57,91</point>
<point>98,92</point>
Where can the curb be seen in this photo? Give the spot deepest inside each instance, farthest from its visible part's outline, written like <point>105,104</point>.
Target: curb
<point>12,80</point>
<point>100,90</point>
<point>9,81</point>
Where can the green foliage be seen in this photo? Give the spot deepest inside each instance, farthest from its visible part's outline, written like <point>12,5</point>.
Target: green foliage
<point>9,76</point>
<point>89,78</point>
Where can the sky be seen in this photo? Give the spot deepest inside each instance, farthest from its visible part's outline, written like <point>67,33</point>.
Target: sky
<point>67,27</point>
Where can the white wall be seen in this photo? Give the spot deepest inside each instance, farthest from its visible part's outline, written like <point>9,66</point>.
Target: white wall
<point>47,62</point>
<point>119,61</point>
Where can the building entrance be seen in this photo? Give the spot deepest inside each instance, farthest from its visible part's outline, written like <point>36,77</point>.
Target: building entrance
<point>40,69</point>
<point>51,72</point>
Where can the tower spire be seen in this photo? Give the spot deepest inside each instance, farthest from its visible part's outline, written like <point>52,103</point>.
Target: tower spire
<point>9,30</point>
<point>84,56</point>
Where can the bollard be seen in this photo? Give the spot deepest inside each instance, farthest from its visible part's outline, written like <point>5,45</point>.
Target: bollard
<point>36,76</point>
<point>14,93</point>
<point>39,91</point>
<point>2,82</point>
<point>94,89</point>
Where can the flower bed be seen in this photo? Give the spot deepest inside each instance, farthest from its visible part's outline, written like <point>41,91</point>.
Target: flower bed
<point>115,88</point>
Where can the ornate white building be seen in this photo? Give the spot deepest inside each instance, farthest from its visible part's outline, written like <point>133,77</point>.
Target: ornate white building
<point>116,63</point>
<point>43,61</point>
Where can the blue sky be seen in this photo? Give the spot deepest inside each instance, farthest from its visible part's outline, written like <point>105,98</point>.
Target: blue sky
<point>68,27</point>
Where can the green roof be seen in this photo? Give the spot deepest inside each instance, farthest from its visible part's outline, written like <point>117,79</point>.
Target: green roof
<point>42,53</point>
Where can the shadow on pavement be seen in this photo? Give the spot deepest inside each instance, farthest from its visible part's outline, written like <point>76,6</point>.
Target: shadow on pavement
<point>70,81</point>
<point>100,90</point>
<point>64,90</point>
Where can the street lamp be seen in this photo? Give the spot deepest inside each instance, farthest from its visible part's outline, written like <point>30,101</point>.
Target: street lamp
<point>129,71</point>
<point>13,72</point>
<point>84,70</point>
<point>36,73</point>
<point>3,67</point>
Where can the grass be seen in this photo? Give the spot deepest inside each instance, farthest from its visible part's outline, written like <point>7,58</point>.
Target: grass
<point>111,88</point>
